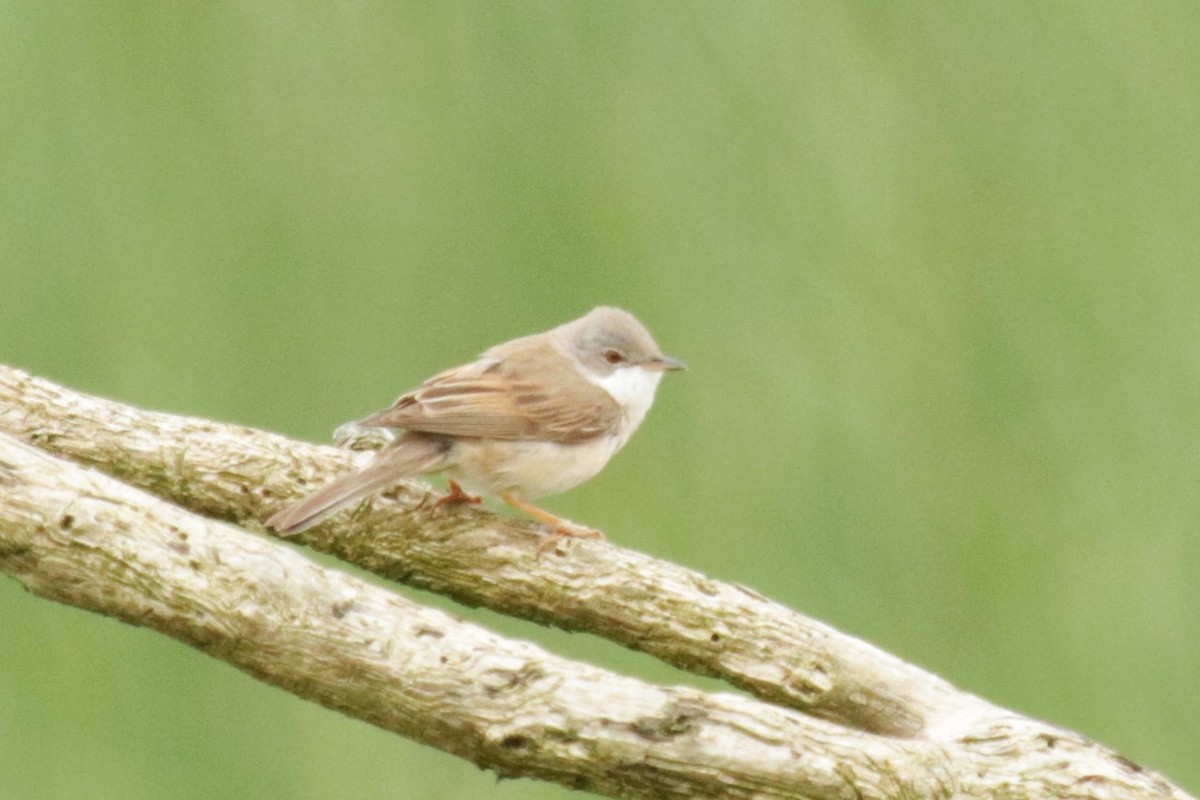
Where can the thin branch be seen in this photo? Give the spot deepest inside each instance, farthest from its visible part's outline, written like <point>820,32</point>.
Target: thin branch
<point>481,558</point>
<point>889,729</point>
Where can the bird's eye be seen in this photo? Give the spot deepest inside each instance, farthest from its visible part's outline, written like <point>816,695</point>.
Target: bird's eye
<point>614,356</point>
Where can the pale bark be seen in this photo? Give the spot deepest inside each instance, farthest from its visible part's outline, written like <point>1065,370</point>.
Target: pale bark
<point>885,728</point>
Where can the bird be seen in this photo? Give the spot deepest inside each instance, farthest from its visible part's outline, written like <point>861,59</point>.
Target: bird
<point>531,417</point>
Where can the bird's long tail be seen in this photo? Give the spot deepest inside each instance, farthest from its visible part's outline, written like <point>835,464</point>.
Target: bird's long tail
<point>411,454</point>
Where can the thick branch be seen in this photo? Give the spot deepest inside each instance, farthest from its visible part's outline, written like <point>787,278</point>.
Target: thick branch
<point>79,537</point>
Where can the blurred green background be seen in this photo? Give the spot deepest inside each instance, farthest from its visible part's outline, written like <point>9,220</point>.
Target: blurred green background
<point>934,267</point>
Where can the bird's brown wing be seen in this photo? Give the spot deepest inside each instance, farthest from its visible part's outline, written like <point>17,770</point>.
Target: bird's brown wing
<point>497,398</point>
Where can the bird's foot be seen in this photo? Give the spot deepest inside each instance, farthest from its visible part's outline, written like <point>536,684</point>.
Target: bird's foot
<point>559,528</point>
<point>566,530</point>
<point>456,497</point>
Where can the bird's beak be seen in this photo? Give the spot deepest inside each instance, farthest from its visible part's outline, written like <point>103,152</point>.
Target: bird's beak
<point>664,364</point>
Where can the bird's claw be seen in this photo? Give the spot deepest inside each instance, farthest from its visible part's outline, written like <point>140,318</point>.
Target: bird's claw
<point>456,496</point>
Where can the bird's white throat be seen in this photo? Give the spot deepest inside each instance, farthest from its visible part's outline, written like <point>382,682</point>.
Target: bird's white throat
<point>633,388</point>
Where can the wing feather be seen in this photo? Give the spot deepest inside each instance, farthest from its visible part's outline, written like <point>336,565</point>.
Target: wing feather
<point>498,398</point>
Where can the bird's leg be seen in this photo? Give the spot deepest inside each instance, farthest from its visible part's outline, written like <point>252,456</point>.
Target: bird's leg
<point>559,528</point>
<point>456,496</point>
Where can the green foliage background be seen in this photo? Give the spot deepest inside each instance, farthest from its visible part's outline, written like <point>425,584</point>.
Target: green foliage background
<point>934,266</point>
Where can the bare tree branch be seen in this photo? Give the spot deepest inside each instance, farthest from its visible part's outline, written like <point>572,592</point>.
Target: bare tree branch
<point>478,557</point>
<point>888,729</point>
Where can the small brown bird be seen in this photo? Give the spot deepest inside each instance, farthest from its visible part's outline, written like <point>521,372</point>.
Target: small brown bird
<point>535,416</point>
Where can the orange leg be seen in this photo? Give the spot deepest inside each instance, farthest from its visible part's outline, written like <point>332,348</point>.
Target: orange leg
<point>456,496</point>
<point>560,528</point>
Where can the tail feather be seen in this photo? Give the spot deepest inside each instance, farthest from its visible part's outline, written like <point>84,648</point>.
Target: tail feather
<point>407,456</point>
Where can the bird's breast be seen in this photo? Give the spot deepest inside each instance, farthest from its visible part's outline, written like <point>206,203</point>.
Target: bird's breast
<point>528,469</point>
